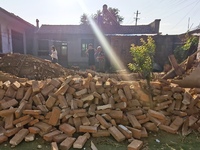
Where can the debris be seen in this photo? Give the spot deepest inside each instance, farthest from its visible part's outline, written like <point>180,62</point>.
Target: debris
<point>94,105</point>
<point>39,146</point>
<point>157,140</point>
<point>27,66</point>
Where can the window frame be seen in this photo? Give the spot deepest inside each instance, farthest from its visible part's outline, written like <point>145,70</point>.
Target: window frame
<point>84,46</point>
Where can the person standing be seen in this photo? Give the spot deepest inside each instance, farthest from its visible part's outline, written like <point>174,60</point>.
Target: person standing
<point>54,55</point>
<point>107,63</point>
<point>91,59</point>
<point>100,59</point>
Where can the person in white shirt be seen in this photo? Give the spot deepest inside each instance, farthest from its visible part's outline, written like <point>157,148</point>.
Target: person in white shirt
<point>54,55</point>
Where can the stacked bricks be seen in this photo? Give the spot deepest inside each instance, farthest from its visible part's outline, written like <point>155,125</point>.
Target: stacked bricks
<point>96,106</point>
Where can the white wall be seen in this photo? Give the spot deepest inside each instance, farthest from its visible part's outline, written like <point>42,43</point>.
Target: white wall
<point>6,39</point>
<point>8,24</point>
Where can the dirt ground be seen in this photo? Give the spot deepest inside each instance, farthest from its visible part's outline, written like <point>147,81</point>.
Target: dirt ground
<point>156,141</point>
<point>27,66</point>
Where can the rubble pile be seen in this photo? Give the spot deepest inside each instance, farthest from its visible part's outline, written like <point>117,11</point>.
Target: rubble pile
<point>94,106</point>
<point>185,74</point>
<point>27,66</point>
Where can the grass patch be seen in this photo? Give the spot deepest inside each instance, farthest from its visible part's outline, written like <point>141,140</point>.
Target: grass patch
<point>155,141</point>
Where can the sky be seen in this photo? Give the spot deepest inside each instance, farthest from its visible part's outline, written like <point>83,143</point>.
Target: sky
<point>177,16</point>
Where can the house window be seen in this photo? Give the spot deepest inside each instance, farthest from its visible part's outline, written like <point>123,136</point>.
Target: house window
<point>43,47</point>
<point>64,49</point>
<point>84,46</point>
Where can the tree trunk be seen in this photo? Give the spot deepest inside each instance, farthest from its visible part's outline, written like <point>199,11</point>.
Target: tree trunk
<point>149,92</point>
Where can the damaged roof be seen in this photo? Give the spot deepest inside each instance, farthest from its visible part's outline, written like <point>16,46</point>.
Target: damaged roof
<point>106,29</point>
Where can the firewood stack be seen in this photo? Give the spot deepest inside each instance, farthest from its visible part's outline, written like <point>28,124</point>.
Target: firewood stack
<point>94,106</point>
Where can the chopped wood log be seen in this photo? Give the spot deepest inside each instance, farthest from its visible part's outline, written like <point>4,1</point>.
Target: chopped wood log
<point>135,145</point>
<point>67,143</point>
<point>116,134</point>
<point>80,142</point>
<point>19,137</point>
<point>67,129</point>
<point>89,129</point>
<point>134,122</point>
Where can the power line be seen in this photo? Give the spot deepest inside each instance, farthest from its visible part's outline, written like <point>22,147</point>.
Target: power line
<point>129,21</point>
<point>171,14</point>
<point>186,14</point>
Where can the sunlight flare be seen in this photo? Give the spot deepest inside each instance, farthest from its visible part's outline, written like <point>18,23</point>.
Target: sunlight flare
<point>115,60</point>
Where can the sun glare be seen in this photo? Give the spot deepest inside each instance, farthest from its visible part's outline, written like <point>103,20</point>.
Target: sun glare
<point>104,43</point>
<point>65,2</point>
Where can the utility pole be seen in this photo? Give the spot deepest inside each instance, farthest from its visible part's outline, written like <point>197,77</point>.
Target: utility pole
<point>136,18</point>
<point>188,23</point>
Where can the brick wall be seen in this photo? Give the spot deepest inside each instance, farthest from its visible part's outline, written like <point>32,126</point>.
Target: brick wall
<point>164,47</point>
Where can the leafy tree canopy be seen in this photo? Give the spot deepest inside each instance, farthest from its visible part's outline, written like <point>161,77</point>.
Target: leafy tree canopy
<point>143,58</point>
<point>84,20</point>
<point>110,16</point>
<point>189,47</point>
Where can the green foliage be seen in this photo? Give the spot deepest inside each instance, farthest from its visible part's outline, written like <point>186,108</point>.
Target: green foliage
<point>190,40</point>
<point>111,16</point>
<point>84,20</point>
<point>181,52</point>
<point>143,58</point>
<point>107,18</point>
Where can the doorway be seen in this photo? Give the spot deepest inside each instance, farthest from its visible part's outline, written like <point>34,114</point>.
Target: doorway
<point>17,42</point>
<point>62,49</point>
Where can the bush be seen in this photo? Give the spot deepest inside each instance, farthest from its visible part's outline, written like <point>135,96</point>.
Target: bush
<point>143,58</point>
<point>190,46</point>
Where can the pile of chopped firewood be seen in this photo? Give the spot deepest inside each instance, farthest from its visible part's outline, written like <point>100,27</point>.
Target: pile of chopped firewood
<point>94,106</point>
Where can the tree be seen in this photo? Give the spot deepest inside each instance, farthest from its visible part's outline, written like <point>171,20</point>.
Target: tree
<point>108,16</point>
<point>143,58</point>
<point>189,47</point>
<point>84,20</point>
<point>143,61</point>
